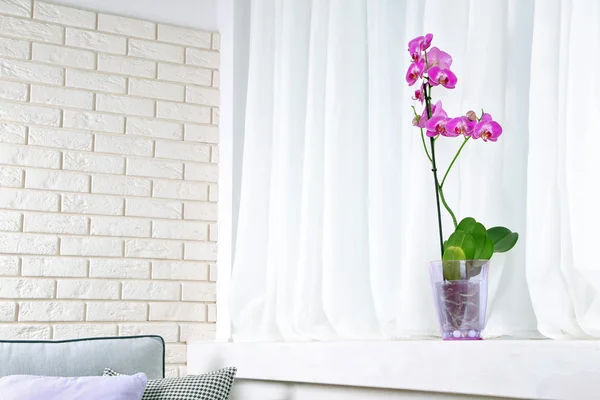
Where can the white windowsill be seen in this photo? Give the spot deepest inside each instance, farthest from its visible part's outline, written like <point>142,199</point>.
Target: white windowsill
<point>529,369</point>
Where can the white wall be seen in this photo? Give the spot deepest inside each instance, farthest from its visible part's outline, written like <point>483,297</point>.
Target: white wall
<point>108,177</point>
<point>198,14</point>
<point>232,19</point>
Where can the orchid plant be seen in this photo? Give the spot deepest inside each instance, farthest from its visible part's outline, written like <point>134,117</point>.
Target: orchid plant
<point>430,67</point>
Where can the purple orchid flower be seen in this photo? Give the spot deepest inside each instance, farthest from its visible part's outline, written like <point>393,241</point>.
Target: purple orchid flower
<point>419,95</point>
<point>438,58</point>
<point>437,123</point>
<point>415,72</point>
<point>442,76</point>
<point>426,41</point>
<point>414,48</point>
<point>436,109</point>
<point>418,45</point>
<point>487,129</point>
<point>437,126</point>
<point>460,126</point>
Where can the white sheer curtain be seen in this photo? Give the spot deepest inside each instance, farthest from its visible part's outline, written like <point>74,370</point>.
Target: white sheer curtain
<point>562,205</point>
<point>337,220</point>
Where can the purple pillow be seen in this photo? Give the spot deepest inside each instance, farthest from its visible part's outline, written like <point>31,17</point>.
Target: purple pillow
<point>27,387</point>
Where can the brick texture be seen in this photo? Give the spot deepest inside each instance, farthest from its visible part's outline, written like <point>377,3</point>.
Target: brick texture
<point>108,177</point>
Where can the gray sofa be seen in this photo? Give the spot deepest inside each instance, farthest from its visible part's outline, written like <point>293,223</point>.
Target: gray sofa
<point>84,357</point>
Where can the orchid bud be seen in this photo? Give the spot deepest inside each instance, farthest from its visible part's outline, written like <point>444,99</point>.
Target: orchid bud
<point>471,116</point>
<point>416,119</point>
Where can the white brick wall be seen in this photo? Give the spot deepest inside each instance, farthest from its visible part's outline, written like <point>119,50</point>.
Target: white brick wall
<point>108,176</point>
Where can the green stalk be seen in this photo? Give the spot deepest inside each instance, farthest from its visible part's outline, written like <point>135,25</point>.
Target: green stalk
<point>425,146</point>
<point>453,160</point>
<point>434,167</point>
<point>447,207</point>
<point>423,138</point>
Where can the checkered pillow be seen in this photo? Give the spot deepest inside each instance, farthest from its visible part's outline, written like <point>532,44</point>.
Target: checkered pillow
<point>212,386</point>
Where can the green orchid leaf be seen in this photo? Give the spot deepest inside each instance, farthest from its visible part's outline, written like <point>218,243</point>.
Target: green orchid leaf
<point>503,238</point>
<point>466,225</point>
<point>486,251</point>
<point>451,262</point>
<point>463,240</point>
<point>497,233</point>
<point>480,236</point>
<point>507,243</point>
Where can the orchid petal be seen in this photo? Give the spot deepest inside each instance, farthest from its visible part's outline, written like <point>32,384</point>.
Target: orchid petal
<point>460,126</point>
<point>470,126</point>
<point>437,125</point>
<point>486,118</point>
<point>455,126</point>
<point>433,122</point>
<point>415,71</point>
<point>437,109</point>
<point>438,58</point>
<point>442,76</point>
<point>415,48</point>
<point>433,73</point>
<point>427,41</point>
<point>487,129</point>
<point>416,42</point>
<point>496,130</point>
<point>450,82</point>
<point>419,95</point>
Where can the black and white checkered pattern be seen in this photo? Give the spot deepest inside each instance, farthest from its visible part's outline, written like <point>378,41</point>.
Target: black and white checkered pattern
<point>212,386</point>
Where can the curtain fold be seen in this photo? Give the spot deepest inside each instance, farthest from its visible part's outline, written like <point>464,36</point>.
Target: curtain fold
<point>254,299</point>
<point>562,216</point>
<point>337,213</point>
<point>311,320</point>
<point>347,297</point>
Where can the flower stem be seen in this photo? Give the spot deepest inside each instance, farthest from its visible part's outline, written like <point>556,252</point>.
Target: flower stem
<point>423,138</point>
<point>425,146</point>
<point>453,160</point>
<point>434,169</point>
<point>447,207</point>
